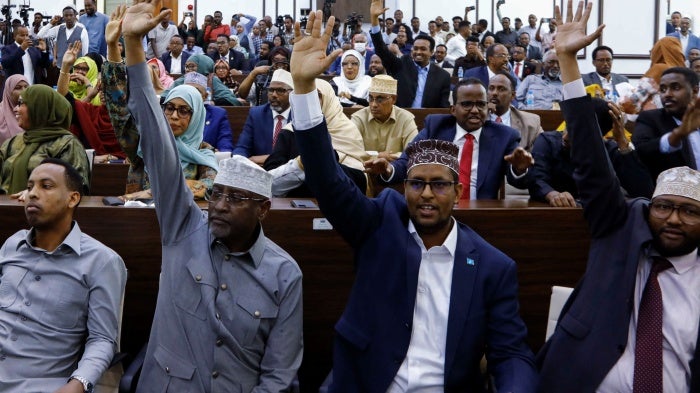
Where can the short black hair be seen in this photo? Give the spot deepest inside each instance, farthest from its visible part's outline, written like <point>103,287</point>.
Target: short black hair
<point>600,48</point>
<point>269,44</point>
<point>690,76</point>
<point>518,20</point>
<point>473,38</point>
<point>693,62</point>
<point>223,35</point>
<point>491,49</point>
<point>466,82</point>
<point>454,18</point>
<point>511,78</point>
<point>391,19</point>
<point>441,45</point>
<point>427,38</point>
<point>74,180</point>
<point>414,18</point>
<point>464,23</point>
<point>524,32</point>
<point>483,23</point>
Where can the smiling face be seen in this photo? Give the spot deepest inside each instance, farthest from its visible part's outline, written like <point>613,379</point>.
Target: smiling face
<point>431,212</point>
<point>420,52</point>
<point>19,88</point>
<point>672,236</point>
<point>470,108</point>
<point>22,114</point>
<point>351,67</point>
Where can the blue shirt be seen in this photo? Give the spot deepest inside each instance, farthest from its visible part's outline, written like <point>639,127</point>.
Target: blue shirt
<point>422,76</point>
<point>95,26</point>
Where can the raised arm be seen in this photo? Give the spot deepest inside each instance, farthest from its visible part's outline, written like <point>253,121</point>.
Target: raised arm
<point>603,202</point>
<point>390,61</point>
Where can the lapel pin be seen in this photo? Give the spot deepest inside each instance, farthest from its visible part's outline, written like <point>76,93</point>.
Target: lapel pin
<point>470,262</point>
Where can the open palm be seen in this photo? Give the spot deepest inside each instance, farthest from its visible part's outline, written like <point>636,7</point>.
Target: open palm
<point>571,36</point>
<point>139,20</point>
<point>114,26</point>
<point>309,55</point>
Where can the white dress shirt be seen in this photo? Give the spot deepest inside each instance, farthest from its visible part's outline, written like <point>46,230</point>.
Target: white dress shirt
<point>423,368</point>
<point>28,66</point>
<point>505,118</point>
<point>175,64</point>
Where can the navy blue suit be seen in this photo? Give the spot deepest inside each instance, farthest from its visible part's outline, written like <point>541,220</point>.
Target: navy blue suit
<point>256,138</point>
<point>12,61</point>
<point>217,129</point>
<point>495,142</point>
<point>374,332</point>
<point>592,332</point>
<point>236,60</point>
<point>167,61</point>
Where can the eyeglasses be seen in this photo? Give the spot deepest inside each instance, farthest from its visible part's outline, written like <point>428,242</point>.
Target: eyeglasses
<point>78,68</point>
<point>502,55</point>
<point>232,198</point>
<point>379,100</point>
<point>278,90</point>
<point>688,214</point>
<point>182,111</point>
<point>471,104</point>
<point>436,186</point>
<point>190,66</point>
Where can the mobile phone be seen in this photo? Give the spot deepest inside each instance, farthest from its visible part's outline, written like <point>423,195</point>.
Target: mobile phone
<point>184,14</point>
<point>546,20</point>
<point>471,8</point>
<point>305,203</point>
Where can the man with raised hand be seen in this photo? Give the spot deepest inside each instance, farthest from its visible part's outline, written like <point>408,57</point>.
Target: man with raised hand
<point>631,324</point>
<point>431,296</point>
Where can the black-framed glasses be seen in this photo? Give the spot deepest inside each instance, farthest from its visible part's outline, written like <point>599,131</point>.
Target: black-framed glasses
<point>190,66</point>
<point>436,186</point>
<point>182,111</point>
<point>79,68</point>
<point>502,55</point>
<point>278,90</point>
<point>687,213</point>
<point>232,198</point>
<point>471,104</point>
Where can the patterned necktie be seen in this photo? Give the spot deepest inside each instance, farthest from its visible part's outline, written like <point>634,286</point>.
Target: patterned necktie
<point>648,351</point>
<point>517,69</point>
<point>278,128</point>
<point>465,165</point>
<point>498,119</point>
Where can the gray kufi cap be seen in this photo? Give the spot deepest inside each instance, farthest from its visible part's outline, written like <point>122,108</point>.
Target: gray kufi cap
<point>680,181</point>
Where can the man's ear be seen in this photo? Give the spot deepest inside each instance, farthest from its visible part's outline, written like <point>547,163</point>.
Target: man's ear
<point>73,199</point>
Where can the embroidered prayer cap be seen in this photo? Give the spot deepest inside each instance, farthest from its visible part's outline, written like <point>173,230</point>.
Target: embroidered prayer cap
<point>383,84</point>
<point>283,76</point>
<point>433,151</point>
<point>239,172</point>
<point>680,181</point>
<point>196,79</point>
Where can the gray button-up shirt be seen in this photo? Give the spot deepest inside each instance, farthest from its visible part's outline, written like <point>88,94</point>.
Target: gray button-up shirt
<point>55,306</point>
<point>224,322</point>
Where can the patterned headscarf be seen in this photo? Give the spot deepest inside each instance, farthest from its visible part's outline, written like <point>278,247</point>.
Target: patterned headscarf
<point>79,90</point>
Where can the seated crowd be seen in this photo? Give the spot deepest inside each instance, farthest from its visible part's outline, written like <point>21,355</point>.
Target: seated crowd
<point>332,115</point>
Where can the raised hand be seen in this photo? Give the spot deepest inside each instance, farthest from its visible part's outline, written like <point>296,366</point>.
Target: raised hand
<point>571,36</point>
<point>309,57</point>
<point>41,44</point>
<point>375,9</point>
<point>114,26</point>
<point>71,54</point>
<point>139,19</point>
<point>520,159</point>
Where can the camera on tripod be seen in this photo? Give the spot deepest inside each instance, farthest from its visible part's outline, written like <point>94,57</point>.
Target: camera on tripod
<point>24,13</point>
<point>353,21</point>
<point>5,10</point>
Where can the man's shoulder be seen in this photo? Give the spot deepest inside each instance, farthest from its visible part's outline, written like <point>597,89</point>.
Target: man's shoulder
<point>280,260</point>
<point>435,123</point>
<point>467,238</point>
<point>260,110</point>
<point>493,128</point>
<point>524,115</point>
<point>12,241</point>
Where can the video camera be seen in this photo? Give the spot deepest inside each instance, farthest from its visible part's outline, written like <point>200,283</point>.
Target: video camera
<point>5,10</point>
<point>304,12</point>
<point>353,21</point>
<point>279,22</point>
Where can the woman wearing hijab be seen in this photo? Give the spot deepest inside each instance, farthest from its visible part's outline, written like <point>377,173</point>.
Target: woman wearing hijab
<point>352,84</point>
<point>14,85</point>
<point>223,72</point>
<point>165,79</point>
<point>45,116</point>
<point>83,81</point>
<point>666,53</point>
<point>221,95</point>
<point>184,110</point>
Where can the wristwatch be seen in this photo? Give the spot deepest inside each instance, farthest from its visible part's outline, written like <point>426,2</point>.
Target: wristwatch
<point>629,149</point>
<point>87,385</point>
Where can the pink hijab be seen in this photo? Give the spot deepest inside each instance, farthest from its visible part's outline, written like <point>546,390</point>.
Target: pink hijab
<point>8,122</point>
<point>165,79</point>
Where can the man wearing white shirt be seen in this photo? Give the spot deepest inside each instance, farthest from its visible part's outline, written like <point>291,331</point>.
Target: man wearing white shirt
<point>531,30</point>
<point>65,34</point>
<point>457,46</point>
<point>688,40</point>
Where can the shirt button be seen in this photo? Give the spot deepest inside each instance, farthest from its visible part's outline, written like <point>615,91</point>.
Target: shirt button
<point>215,374</point>
<point>219,342</point>
<point>218,316</point>
<point>227,257</point>
<point>224,287</point>
<point>257,314</point>
<point>38,278</point>
<point>27,303</point>
<point>198,277</point>
<point>167,370</point>
<point>13,337</point>
<point>24,318</point>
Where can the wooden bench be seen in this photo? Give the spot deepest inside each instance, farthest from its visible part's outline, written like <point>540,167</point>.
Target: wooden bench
<point>549,246</point>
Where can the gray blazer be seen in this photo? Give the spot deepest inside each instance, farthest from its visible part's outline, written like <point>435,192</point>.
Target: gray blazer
<point>592,78</point>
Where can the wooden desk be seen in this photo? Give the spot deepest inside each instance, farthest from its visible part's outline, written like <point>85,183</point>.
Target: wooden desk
<point>108,179</point>
<point>549,245</point>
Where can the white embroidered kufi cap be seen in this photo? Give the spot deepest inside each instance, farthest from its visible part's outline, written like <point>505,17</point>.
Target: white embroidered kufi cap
<point>383,84</point>
<point>680,181</point>
<point>240,172</point>
<point>283,76</point>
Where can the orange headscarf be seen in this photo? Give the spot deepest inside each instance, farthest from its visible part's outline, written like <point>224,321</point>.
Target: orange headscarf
<point>666,53</point>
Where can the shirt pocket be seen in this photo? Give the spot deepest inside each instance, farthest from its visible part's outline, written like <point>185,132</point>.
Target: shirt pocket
<point>66,305</point>
<point>10,279</point>
<point>253,315</point>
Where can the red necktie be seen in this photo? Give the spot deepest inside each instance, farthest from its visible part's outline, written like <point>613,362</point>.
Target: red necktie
<point>465,165</point>
<point>498,119</point>
<point>517,69</point>
<point>648,351</point>
<point>278,128</point>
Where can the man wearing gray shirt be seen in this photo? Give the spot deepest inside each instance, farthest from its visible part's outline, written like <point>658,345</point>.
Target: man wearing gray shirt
<point>60,292</point>
<point>229,310</point>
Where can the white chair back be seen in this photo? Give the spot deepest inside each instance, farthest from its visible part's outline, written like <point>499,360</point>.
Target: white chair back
<point>559,297</point>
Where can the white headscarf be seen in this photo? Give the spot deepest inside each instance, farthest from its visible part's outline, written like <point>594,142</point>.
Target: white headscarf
<point>358,87</point>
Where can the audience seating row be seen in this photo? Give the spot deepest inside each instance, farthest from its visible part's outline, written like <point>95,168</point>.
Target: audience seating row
<point>549,246</point>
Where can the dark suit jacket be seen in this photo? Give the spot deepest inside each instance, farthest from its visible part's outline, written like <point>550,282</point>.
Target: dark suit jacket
<point>533,53</point>
<point>528,69</point>
<point>481,73</point>
<point>256,138</point>
<point>592,332</point>
<point>12,61</point>
<point>650,127</point>
<point>236,60</point>
<point>374,332</point>
<point>217,129</point>
<point>167,61</point>
<point>495,141</point>
<point>437,85</point>
<point>592,78</point>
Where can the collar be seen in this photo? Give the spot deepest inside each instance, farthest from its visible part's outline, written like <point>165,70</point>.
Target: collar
<point>72,240</point>
<point>284,113</point>
<point>254,254</point>
<point>681,264</point>
<point>461,133</point>
<point>602,78</point>
<point>418,67</point>
<point>392,116</point>
<point>450,243</point>
<point>504,116</point>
